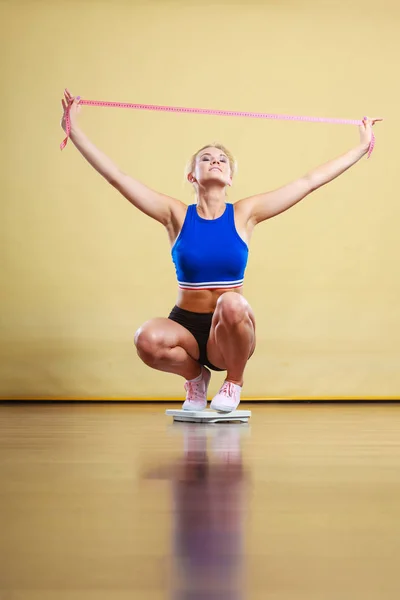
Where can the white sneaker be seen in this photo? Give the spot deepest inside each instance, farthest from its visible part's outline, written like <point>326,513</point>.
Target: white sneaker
<point>228,397</point>
<point>196,391</point>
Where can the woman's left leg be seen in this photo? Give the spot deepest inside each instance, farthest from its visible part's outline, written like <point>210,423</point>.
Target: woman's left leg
<point>231,342</point>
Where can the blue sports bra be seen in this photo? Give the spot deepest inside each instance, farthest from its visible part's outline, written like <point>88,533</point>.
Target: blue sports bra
<point>209,253</point>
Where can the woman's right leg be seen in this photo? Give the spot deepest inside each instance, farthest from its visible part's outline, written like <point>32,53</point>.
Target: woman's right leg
<point>167,346</point>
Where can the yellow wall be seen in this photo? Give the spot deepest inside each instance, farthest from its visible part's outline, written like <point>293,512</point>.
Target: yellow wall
<point>81,269</point>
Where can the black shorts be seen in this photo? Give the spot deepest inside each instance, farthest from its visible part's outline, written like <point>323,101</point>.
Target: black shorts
<point>199,325</point>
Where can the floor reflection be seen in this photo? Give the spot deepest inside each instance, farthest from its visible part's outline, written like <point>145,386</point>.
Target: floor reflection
<point>209,489</point>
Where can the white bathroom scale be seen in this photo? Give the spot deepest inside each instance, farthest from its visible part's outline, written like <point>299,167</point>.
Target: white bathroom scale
<point>209,416</point>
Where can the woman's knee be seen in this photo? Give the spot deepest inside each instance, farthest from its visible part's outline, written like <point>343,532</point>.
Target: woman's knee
<point>150,343</point>
<point>232,308</point>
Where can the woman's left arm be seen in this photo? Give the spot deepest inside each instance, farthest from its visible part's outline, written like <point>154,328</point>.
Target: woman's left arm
<point>264,206</point>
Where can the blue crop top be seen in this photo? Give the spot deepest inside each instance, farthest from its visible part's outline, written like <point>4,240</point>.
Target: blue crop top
<point>209,253</point>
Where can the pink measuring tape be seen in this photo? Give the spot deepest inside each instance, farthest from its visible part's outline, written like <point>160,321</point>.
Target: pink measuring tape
<point>207,111</point>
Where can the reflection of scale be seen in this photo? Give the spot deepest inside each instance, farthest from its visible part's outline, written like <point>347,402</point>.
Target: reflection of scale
<point>209,416</point>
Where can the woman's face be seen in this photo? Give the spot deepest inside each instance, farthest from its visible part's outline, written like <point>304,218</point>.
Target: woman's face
<point>212,166</point>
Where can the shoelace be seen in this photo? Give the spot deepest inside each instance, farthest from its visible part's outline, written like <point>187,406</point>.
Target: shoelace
<point>228,389</point>
<point>193,390</point>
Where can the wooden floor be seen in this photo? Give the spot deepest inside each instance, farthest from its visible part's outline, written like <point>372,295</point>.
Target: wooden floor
<point>115,502</point>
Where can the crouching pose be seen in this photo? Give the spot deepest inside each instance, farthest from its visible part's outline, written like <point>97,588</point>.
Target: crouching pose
<point>212,326</point>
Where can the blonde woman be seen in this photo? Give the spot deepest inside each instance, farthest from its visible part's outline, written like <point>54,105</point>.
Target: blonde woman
<point>212,326</point>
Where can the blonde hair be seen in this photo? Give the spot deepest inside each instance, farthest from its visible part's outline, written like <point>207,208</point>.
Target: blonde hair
<point>192,162</point>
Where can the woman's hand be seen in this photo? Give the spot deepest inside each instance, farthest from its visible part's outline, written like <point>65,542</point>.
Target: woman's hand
<point>366,131</point>
<point>74,110</point>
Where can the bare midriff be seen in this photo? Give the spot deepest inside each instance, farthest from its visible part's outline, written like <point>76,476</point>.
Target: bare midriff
<point>202,301</point>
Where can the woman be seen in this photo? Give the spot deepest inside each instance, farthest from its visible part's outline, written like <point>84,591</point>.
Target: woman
<point>212,324</point>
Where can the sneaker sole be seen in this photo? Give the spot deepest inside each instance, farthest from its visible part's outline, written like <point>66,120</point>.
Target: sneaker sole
<point>222,408</point>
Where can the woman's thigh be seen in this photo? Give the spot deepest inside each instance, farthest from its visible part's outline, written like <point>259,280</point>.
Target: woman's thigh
<point>214,353</point>
<point>161,331</point>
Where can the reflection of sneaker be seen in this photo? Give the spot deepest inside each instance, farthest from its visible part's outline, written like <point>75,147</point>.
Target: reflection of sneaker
<point>196,391</point>
<point>228,397</point>
<point>227,441</point>
<point>194,439</point>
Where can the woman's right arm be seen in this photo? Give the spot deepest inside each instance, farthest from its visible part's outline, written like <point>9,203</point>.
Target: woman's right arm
<point>158,206</point>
